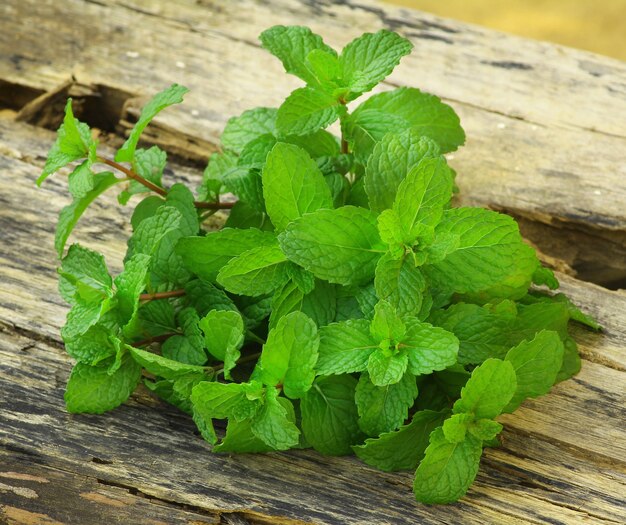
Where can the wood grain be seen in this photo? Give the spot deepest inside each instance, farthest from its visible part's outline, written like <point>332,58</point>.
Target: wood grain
<point>546,142</point>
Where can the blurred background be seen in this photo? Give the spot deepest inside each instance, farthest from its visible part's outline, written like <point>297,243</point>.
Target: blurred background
<point>594,25</point>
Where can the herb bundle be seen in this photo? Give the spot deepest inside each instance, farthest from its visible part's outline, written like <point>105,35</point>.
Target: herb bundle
<point>345,304</point>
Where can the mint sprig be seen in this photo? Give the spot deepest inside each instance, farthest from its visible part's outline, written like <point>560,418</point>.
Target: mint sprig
<point>345,305</point>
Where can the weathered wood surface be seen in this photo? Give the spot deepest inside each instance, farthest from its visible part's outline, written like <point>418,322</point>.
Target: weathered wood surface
<point>546,141</point>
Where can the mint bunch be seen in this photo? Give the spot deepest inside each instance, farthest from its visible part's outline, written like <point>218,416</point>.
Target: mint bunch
<point>346,305</point>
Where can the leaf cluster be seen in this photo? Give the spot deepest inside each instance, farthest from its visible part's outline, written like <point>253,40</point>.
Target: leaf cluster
<point>345,305</point>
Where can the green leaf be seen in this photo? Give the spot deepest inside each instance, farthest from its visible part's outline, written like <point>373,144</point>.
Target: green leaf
<point>273,424</point>
<point>392,159</point>
<point>455,427</point>
<point>94,346</point>
<point>82,317</point>
<point>307,110</point>
<point>385,369</point>
<point>189,347</point>
<point>245,182</point>
<point>94,390</point>
<point>292,185</point>
<point>571,360</point>
<point>73,142</point>
<point>386,324</point>
<point>536,364</point>
<point>483,332</point>
<point>223,336</point>
<point>401,109</point>
<point>219,165</point>
<point>70,214</point>
<point>490,250</point>
<point>292,45</point>
<point>404,448</point>
<point>255,152</point>
<point>167,97</point>
<point>289,355</point>
<point>163,367</point>
<point>488,391</point>
<point>368,59</point>
<point>153,230</point>
<point>255,272</point>
<point>130,283</point>
<point>149,164</point>
<point>329,415</point>
<point>83,276</point>
<point>429,348</point>
<point>251,124</point>
<point>204,297</point>
<point>205,256</point>
<point>485,429</point>
<point>302,278</point>
<point>423,195</point>
<point>384,408</point>
<point>345,347</point>
<point>240,439</point>
<point>238,401</point>
<point>401,283</point>
<point>244,216</point>
<point>340,246</point>
<point>447,470</point>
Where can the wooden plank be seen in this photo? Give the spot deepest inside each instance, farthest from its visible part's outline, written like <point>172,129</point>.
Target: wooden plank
<point>530,479</point>
<point>536,115</point>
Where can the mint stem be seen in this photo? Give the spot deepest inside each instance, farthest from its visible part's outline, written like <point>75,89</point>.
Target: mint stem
<point>161,295</point>
<point>160,191</point>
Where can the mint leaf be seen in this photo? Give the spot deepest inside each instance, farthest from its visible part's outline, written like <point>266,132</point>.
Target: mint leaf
<point>401,283</point>
<point>151,231</point>
<point>149,164</point>
<point>94,346</point>
<point>94,390</point>
<point>255,272</point>
<point>205,256</point>
<point>240,439</point>
<point>385,369</point>
<point>167,97</point>
<point>536,364</point>
<point>329,415</point>
<point>251,124</point>
<point>274,424</point>
<point>404,448</point>
<point>292,185</point>
<point>345,347</point>
<point>307,110</point>
<point>423,195</point>
<point>429,348</point>
<point>130,283</point>
<point>391,160</point>
<point>189,347</point>
<point>290,354</point>
<point>488,391</point>
<point>292,45</point>
<point>223,336</point>
<point>490,250</point>
<point>368,59</point>
<point>386,325</point>
<point>401,109</point>
<point>73,142</point>
<point>163,367</point>
<point>483,332</point>
<point>70,214</point>
<point>84,276</point>
<point>571,360</point>
<point>341,246</point>
<point>456,426</point>
<point>82,317</point>
<point>447,470</point>
<point>384,408</point>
